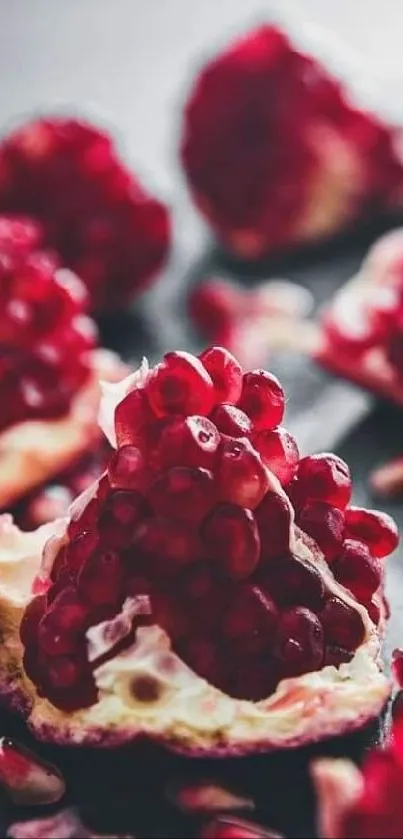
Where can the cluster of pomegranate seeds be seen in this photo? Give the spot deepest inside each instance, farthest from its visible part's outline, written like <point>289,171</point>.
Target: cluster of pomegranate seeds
<point>190,514</point>
<point>260,121</point>
<point>45,335</point>
<point>66,174</point>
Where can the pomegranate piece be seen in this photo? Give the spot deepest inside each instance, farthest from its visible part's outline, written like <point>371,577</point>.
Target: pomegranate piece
<point>65,824</point>
<point>375,529</point>
<point>180,384</point>
<point>231,538</point>
<point>241,476</point>
<point>342,625</point>
<point>258,188</point>
<point>322,477</point>
<point>213,306</point>
<point>66,174</point>
<point>292,580</point>
<point>232,421</point>
<point>229,828</point>
<point>273,516</point>
<point>325,524</point>
<point>226,373</point>
<point>191,441</point>
<point>27,779</point>
<point>262,399</point>
<point>279,452</point>
<point>357,570</point>
<point>183,492</point>
<point>298,642</point>
<point>207,796</point>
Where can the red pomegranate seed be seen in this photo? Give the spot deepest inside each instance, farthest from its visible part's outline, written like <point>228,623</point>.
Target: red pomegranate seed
<point>250,620</point>
<point>231,421</point>
<point>262,399</point>
<point>169,545</point>
<point>65,671</point>
<point>62,625</point>
<point>127,468</point>
<point>357,570</point>
<point>123,513</point>
<point>325,524</point>
<point>376,529</point>
<point>183,492</point>
<point>374,611</point>
<point>241,476</point>
<point>322,477</point>
<point>169,614</point>
<point>293,581</point>
<point>273,516</point>
<point>342,625</point>
<point>228,828</point>
<point>226,373</point>
<point>298,642</point>
<point>336,656</point>
<point>34,612</point>
<point>133,418</point>
<point>86,520</point>
<point>206,594</point>
<point>203,657</point>
<point>100,580</point>
<point>279,451</point>
<point>254,677</point>
<point>231,538</point>
<point>213,306</point>
<point>81,547</point>
<point>28,779</point>
<point>180,384</point>
<point>397,707</point>
<point>397,666</point>
<point>191,441</point>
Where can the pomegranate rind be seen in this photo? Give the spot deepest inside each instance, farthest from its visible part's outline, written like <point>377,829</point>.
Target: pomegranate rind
<point>33,451</point>
<point>186,714</point>
<point>371,371</point>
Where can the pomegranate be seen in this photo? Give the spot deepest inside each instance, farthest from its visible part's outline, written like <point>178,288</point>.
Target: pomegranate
<point>360,334</point>
<point>67,174</point>
<point>180,600</point>
<point>269,136</point>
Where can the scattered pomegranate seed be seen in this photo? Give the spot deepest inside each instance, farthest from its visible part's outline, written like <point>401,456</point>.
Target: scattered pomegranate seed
<point>226,373</point>
<point>342,625</point>
<point>298,643</point>
<point>322,477</point>
<point>357,570</point>
<point>180,384</point>
<point>325,524</point>
<point>27,779</point>
<point>262,399</point>
<point>231,538</point>
<point>191,441</point>
<point>293,580</point>
<point>232,421</point>
<point>376,529</point>
<point>279,452</point>
<point>241,476</point>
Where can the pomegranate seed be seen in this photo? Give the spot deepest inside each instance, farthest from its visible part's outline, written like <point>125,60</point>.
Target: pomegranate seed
<point>298,642</point>
<point>206,595</point>
<point>127,468</point>
<point>180,384</point>
<point>357,570</point>
<point>279,452</point>
<point>397,666</point>
<point>322,477</point>
<point>123,513</point>
<point>226,373</point>
<point>64,671</point>
<point>169,615</point>
<point>376,529</point>
<point>273,516</point>
<point>262,399</point>
<point>169,545</point>
<point>202,656</point>
<point>213,305</point>
<point>292,580</point>
<point>100,580</point>
<point>62,625</point>
<point>133,418</point>
<point>192,441</point>
<point>342,625</point>
<point>28,779</point>
<point>34,612</point>
<point>336,656</point>
<point>81,548</point>
<point>182,492</point>
<point>397,707</point>
<point>231,421</point>
<point>241,476</point>
<point>325,524</point>
<point>250,620</point>
<point>231,537</point>
<point>86,520</point>
<point>254,677</point>
<point>374,611</point>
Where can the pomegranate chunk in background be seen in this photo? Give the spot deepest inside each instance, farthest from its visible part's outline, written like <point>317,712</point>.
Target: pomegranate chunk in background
<point>67,174</point>
<point>269,136</point>
<point>27,779</point>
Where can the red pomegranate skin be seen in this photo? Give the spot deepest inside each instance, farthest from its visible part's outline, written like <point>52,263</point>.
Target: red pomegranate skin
<point>66,174</point>
<point>247,148</point>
